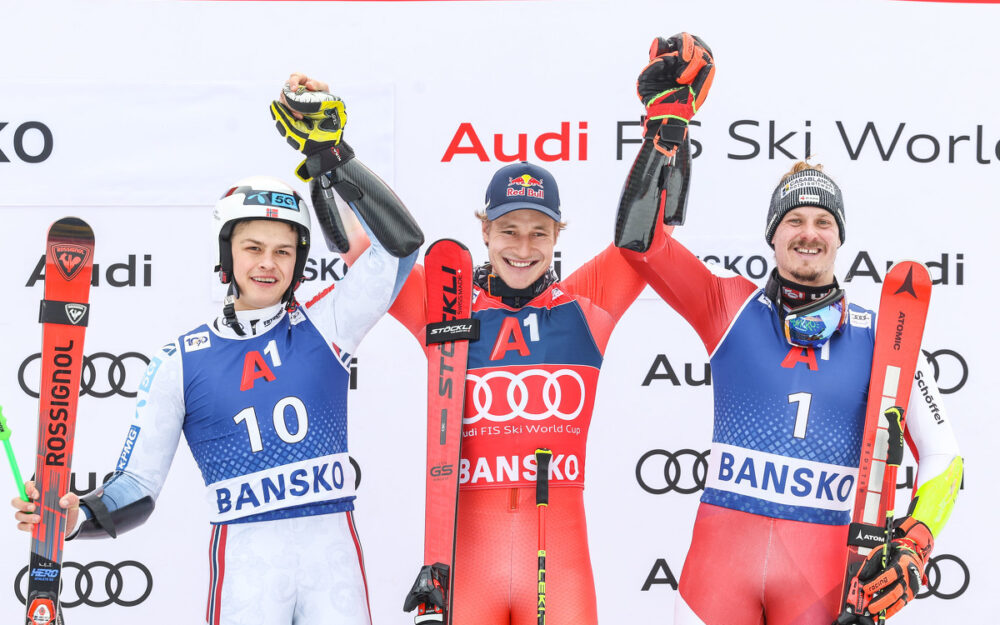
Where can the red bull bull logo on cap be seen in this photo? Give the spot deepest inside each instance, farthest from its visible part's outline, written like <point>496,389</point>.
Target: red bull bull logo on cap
<point>521,186</point>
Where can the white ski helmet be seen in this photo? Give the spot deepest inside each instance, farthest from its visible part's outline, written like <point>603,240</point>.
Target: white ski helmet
<point>260,197</point>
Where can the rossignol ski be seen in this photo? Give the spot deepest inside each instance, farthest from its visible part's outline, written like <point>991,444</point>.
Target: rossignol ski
<point>902,311</point>
<point>64,314</point>
<point>448,273</point>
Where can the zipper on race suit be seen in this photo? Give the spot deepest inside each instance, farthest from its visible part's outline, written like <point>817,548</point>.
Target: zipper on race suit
<point>513,505</point>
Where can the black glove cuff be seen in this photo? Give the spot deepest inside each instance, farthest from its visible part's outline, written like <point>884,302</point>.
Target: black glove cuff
<point>325,160</point>
<point>650,127</point>
<point>425,590</point>
<point>673,134</point>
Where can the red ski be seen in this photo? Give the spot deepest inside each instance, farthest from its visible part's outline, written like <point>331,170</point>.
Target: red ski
<point>448,274</point>
<point>906,295</point>
<point>64,315</point>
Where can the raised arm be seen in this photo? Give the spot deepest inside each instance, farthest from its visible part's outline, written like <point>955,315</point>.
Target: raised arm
<point>312,121</point>
<point>672,87</point>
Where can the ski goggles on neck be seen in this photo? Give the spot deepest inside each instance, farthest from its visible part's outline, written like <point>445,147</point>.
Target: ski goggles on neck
<point>814,324</point>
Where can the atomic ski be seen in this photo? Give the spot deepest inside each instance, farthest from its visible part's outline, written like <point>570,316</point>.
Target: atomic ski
<point>448,272</point>
<point>902,311</point>
<point>64,315</point>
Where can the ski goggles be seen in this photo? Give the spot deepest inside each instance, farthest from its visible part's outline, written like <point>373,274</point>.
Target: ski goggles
<point>814,324</point>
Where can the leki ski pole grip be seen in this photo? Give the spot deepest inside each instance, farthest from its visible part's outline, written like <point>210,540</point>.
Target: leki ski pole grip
<point>5,437</point>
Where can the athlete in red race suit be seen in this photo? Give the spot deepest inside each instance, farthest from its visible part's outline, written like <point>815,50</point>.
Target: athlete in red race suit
<point>769,543</point>
<point>531,381</point>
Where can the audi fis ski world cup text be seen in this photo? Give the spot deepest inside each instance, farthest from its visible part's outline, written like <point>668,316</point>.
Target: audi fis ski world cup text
<point>750,139</point>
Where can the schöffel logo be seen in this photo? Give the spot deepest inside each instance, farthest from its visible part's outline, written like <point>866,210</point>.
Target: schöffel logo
<point>69,259</point>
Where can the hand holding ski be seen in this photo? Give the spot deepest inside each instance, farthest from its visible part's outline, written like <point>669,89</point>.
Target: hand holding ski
<point>891,577</point>
<point>27,516</point>
<point>448,275</point>
<point>902,312</point>
<point>64,316</point>
<point>428,594</point>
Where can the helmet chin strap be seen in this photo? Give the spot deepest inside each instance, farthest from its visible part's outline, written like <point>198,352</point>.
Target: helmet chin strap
<point>229,309</point>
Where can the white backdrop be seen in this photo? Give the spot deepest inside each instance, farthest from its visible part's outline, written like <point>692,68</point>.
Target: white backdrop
<point>136,116</point>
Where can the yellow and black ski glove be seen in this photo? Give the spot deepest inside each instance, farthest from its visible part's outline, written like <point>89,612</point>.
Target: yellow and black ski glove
<point>317,132</point>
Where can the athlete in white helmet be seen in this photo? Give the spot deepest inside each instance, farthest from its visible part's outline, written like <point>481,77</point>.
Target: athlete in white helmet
<point>260,394</point>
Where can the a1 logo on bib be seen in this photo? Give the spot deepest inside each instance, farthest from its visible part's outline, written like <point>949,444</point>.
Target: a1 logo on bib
<point>69,259</point>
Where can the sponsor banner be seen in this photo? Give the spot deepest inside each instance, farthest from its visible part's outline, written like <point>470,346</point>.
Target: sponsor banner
<point>781,480</point>
<point>309,481</point>
<point>483,472</point>
<point>141,146</point>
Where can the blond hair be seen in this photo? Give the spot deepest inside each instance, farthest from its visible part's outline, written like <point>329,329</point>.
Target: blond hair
<point>481,216</point>
<point>801,166</point>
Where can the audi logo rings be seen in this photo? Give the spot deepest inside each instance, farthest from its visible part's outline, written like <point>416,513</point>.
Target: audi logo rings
<point>548,390</point>
<point>934,577</point>
<point>957,367</point>
<point>116,374</point>
<point>85,584</point>
<point>648,476</point>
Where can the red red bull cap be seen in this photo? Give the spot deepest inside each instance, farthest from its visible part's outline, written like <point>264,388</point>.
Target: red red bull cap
<point>522,185</point>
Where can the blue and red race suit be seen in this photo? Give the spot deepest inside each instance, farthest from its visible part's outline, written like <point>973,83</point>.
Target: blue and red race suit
<point>785,448</point>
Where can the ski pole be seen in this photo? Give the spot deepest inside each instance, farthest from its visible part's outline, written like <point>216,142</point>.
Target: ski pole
<point>5,437</point>
<point>893,458</point>
<point>542,457</point>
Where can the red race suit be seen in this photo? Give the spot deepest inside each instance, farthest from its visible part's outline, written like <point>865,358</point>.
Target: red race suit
<point>531,382</point>
<point>769,541</point>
